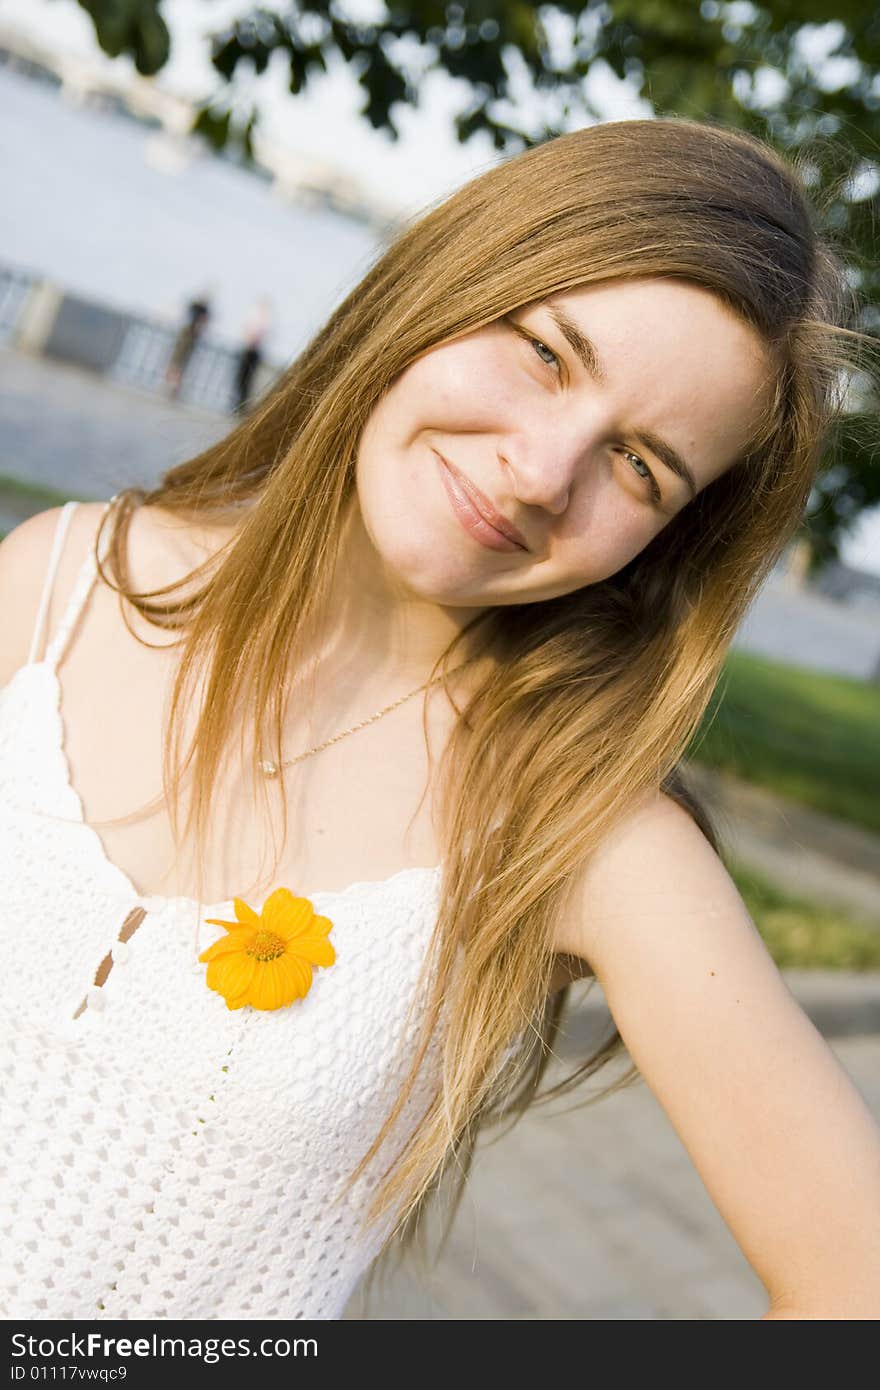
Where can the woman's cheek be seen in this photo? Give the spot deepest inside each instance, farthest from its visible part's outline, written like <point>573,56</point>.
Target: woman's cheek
<point>594,548</point>
<point>464,386</point>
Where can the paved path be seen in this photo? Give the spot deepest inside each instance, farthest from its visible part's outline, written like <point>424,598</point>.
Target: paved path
<point>597,1213</point>
<point>69,429</point>
<point>808,628</point>
<point>811,854</point>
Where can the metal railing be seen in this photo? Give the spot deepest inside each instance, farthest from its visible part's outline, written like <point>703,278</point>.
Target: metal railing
<point>144,347</point>
<point>15,287</point>
<point>208,378</point>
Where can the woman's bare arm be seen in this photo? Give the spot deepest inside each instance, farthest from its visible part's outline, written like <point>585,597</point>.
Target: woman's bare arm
<point>779,1134</point>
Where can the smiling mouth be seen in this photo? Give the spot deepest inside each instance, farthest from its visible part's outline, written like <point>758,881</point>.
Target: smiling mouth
<point>476,513</point>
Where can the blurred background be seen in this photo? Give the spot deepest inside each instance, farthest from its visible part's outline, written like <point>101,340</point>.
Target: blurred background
<point>189,190</point>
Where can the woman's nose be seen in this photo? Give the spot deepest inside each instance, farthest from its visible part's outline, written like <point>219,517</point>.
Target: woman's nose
<point>543,475</point>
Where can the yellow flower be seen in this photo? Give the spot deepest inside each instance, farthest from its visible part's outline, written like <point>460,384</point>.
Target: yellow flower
<point>266,961</point>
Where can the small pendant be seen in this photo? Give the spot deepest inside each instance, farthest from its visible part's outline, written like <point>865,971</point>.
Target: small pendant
<point>268,768</point>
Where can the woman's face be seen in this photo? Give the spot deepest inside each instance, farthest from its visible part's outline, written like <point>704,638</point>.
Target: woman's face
<point>570,446</point>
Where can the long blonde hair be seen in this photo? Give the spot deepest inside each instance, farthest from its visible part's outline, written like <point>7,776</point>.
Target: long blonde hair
<point>591,698</point>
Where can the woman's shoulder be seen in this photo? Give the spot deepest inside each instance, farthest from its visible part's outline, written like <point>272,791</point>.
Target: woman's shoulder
<point>655,863</point>
<point>160,549</point>
<point>25,554</point>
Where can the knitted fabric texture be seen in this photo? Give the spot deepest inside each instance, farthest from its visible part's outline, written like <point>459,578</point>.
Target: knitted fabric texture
<point>163,1156</point>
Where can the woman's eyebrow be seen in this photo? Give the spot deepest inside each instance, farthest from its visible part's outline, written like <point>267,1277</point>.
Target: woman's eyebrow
<point>589,359</point>
<point>578,341</point>
<point>668,456</point>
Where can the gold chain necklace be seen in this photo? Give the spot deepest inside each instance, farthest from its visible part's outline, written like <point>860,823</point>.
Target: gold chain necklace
<point>271,769</point>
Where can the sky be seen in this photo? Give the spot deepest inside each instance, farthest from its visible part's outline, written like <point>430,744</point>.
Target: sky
<point>426,163</point>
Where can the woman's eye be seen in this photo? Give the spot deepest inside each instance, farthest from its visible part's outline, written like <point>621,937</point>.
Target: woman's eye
<point>648,477</point>
<point>537,345</point>
<point>636,463</point>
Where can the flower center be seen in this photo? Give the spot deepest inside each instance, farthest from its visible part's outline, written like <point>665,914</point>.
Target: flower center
<point>266,945</point>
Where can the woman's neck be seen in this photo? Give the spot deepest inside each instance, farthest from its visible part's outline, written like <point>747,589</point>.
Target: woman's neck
<point>370,622</point>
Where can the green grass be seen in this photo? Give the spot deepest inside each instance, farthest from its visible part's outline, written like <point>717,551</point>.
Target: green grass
<point>804,935</point>
<point>812,737</point>
<point>18,489</point>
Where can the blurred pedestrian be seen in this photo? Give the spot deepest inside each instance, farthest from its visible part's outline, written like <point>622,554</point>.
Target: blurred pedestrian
<point>251,353</point>
<point>198,313</point>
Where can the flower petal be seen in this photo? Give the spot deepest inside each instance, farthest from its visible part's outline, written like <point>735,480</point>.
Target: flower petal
<point>245,914</point>
<point>313,948</point>
<point>301,975</point>
<point>270,988</point>
<point>237,940</point>
<point>238,1003</point>
<point>232,974</point>
<point>286,914</point>
<point>320,926</point>
<point>218,922</point>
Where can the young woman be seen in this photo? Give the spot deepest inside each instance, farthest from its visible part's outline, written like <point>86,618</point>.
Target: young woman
<point>329,762</point>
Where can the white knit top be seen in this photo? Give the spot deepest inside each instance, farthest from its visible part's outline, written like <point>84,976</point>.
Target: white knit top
<point>164,1156</point>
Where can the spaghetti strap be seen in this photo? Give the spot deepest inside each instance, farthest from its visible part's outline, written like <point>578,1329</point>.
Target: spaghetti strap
<point>54,556</point>
<point>76,603</point>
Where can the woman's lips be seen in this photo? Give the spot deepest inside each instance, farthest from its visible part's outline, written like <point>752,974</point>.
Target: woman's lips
<point>473,510</point>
